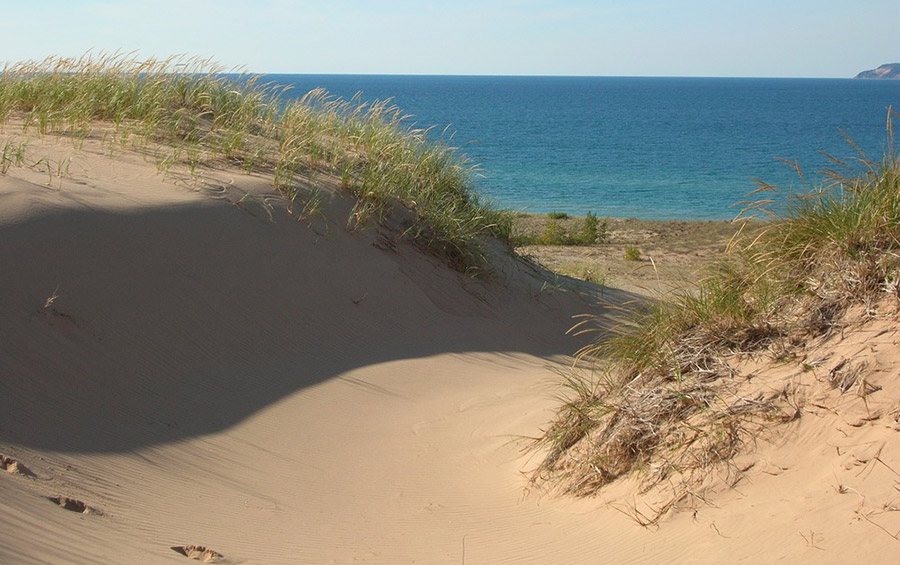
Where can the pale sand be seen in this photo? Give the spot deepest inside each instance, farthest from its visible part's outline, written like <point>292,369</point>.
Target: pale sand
<point>213,375</point>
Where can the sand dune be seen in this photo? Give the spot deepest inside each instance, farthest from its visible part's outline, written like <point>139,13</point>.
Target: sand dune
<point>196,375</point>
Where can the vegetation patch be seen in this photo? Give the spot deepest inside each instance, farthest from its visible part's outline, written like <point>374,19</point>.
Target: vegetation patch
<point>186,112</point>
<point>664,401</point>
<point>632,254</point>
<point>561,229</point>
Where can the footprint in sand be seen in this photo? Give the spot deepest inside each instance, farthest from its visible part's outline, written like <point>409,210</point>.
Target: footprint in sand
<point>14,467</point>
<point>200,553</point>
<point>73,505</point>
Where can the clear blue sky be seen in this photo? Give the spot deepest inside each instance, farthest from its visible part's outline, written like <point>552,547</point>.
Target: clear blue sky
<point>804,38</point>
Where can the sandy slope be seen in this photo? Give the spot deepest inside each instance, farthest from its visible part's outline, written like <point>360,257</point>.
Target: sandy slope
<point>222,375</point>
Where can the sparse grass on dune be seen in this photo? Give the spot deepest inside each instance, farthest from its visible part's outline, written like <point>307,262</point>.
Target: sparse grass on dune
<point>667,402</point>
<point>186,111</point>
<point>12,153</point>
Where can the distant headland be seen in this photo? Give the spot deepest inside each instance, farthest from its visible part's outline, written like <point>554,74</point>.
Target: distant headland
<point>888,70</point>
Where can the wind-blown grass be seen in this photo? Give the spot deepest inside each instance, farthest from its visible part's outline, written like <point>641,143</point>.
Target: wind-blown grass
<point>665,404</point>
<point>190,112</point>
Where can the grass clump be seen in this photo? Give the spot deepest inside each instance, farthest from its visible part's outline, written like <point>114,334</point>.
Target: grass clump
<point>12,153</point>
<point>185,111</point>
<point>665,401</point>
<point>660,404</point>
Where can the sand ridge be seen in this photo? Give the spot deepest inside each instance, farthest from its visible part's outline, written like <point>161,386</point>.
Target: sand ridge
<point>219,381</point>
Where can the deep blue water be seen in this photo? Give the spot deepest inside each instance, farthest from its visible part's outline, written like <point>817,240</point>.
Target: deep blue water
<point>661,148</point>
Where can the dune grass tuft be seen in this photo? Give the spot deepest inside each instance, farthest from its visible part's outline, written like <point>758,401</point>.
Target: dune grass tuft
<point>663,400</point>
<point>12,153</point>
<point>186,111</point>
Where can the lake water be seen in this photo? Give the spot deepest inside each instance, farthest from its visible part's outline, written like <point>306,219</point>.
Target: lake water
<point>655,148</point>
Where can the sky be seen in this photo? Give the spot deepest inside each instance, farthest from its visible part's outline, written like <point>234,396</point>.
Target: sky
<point>742,38</point>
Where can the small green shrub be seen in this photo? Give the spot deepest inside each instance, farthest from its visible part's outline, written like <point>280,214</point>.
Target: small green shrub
<point>554,234</point>
<point>632,254</point>
<point>593,231</point>
<point>558,216</point>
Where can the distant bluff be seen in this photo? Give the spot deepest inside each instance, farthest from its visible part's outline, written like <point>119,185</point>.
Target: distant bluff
<point>889,70</point>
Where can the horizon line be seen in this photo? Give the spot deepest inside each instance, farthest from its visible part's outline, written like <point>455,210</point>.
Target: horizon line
<point>540,75</point>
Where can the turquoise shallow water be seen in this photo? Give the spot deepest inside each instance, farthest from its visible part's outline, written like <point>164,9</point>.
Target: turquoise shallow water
<point>656,148</point>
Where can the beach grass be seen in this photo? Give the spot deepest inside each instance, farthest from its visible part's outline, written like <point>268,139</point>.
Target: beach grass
<point>658,398</point>
<point>186,111</point>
